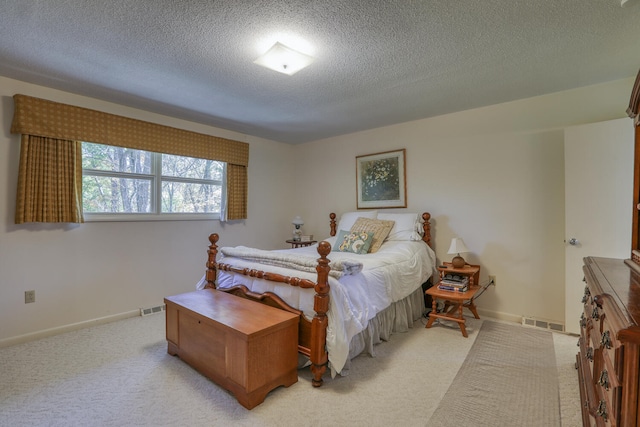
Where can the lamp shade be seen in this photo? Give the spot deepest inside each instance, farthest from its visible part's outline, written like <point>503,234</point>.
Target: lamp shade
<point>457,246</point>
<point>297,221</point>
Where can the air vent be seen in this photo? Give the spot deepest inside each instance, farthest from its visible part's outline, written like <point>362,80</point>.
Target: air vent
<point>542,324</point>
<point>152,310</point>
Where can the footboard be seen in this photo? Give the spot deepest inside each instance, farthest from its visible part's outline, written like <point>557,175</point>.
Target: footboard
<point>311,335</point>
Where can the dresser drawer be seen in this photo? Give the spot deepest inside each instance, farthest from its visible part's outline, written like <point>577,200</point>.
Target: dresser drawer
<point>612,349</point>
<point>609,355</point>
<point>609,388</point>
<point>603,415</point>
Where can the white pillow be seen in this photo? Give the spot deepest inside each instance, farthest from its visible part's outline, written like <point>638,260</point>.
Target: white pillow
<point>349,218</point>
<point>407,226</point>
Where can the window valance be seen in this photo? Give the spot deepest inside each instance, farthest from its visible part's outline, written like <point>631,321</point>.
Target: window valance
<point>41,117</point>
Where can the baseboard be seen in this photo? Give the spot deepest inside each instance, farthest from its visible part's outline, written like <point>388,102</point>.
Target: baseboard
<point>7,342</point>
<point>506,317</point>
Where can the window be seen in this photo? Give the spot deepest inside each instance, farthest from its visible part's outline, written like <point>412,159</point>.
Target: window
<point>125,183</point>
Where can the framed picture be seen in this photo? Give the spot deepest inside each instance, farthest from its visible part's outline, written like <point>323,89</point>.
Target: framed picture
<point>381,180</point>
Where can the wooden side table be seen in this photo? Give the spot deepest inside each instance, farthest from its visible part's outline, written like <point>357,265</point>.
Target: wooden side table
<point>301,244</point>
<point>455,301</point>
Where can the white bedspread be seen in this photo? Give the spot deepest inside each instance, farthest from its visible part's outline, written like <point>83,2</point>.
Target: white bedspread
<point>387,276</point>
<point>291,259</point>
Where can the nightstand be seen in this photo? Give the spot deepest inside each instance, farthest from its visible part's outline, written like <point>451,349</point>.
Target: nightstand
<point>301,244</point>
<point>455,301</point>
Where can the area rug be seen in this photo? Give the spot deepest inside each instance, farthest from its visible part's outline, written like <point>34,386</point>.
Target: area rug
<point>509,378</point>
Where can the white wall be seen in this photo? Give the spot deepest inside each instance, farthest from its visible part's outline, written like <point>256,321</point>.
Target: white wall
<point>95,270</point>
<point>493,176</point>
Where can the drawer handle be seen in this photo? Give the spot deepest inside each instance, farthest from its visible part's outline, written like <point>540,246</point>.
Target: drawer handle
<point>604,379</point>
<point>598,300</point>
<point>602,410</point>
<point>590,353</point>
<point>606,340</point>
<point>587,294</point>
<point>595,314</point>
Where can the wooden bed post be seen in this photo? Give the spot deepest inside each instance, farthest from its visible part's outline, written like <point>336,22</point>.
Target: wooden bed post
<point>320,321</point>
<point>332,224</point>
<point>212,271</point>
<point>426,226</point>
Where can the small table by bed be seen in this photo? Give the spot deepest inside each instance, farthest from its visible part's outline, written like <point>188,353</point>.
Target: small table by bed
<point>301,243</point>
<point>455,301</point>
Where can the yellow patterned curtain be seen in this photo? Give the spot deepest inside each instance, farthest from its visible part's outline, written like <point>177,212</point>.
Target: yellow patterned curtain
<point>49,181</point>
<point>237,190</point>
<point>35,116</point>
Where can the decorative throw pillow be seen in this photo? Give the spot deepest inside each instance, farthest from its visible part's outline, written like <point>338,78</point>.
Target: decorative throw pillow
<point>357,243</point>
<point>379,228</point>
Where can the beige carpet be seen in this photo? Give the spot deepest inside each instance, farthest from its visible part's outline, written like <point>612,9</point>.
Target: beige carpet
<point>119,374</point>
<point>509,378</point>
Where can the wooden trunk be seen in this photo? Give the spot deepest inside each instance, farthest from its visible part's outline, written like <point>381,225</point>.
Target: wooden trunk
<point>244,346</point>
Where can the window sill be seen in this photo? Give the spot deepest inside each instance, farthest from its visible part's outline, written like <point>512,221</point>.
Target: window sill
<point>89,217</point>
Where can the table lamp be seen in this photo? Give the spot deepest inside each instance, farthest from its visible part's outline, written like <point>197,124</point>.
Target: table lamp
<point>457,246</point>
<point>297,232</point>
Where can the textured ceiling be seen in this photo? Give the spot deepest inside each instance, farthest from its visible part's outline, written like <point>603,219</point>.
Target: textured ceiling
<point>378,62</point>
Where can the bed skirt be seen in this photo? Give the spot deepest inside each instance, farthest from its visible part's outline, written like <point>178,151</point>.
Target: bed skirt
<point>398,317</point>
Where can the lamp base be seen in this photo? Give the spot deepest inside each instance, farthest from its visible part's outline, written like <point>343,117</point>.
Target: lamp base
<point>458,262</point>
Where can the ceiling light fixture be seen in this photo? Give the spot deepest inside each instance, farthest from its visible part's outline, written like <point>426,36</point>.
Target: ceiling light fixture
<point>284,60</point>
<point>625,3</point>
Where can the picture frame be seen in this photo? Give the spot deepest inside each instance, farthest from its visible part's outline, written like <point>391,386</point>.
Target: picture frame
<point>381,180</point>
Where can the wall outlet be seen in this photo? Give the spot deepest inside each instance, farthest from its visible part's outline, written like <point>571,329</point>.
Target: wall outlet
<point>29,296</point>
<point>493,279</point>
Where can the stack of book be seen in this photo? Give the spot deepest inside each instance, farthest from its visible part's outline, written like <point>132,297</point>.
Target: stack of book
<point>454,283</point>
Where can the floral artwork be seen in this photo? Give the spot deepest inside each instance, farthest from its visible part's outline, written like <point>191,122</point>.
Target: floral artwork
<point>381,180</point>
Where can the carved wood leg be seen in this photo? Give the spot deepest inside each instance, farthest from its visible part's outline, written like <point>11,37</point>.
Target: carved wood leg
<point>463,328</point>
<point>319,356</point>
<point>471,306</point>
<point>461,321</point>
<point>434,310</point>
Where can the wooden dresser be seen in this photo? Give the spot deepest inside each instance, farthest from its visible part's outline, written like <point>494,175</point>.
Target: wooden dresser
<point>609,357</point>
<point>246,347</point>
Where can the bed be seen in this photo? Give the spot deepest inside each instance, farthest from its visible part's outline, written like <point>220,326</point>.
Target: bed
<point>371,286</point>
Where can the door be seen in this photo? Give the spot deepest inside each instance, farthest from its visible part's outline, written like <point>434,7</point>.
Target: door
<point>598,201</point>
